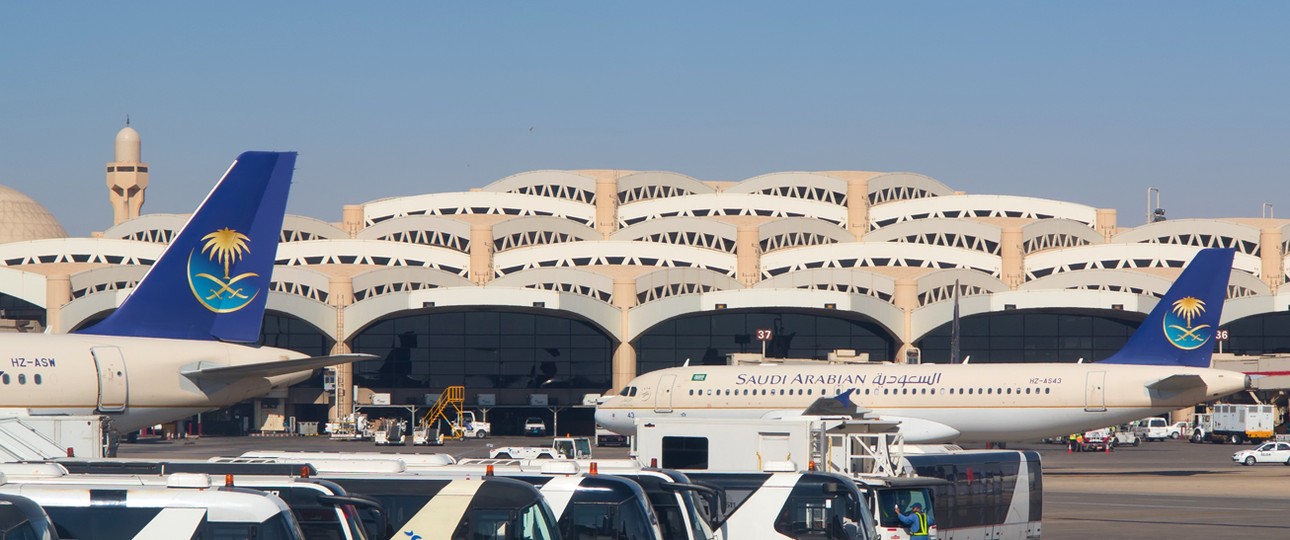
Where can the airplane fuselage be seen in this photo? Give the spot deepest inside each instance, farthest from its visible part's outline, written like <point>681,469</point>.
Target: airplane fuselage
<point>934,402</point>
<point>135,381</point>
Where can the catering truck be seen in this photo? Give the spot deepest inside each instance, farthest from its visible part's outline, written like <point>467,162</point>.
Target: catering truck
<point>1236,424</point>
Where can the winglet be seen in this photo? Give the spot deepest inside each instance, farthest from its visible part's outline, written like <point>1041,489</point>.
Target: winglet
<point>1180,330</point>
<point>212,282</point>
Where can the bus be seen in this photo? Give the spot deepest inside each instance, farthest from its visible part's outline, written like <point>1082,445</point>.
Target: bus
<point>801,505</point>
<point>490,508</point>
<point>23,519</point>
<point>181,510</point>
<point>323,509</point>
<point>992,494</point>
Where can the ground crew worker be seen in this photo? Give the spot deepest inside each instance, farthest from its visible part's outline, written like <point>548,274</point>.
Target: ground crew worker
<point>1071,445</point>
<point>918,523</point>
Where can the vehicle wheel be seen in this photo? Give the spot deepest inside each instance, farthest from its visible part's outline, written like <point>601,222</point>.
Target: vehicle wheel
<point>1175,435</point>
<point>503,455</point>
<point>1236,439</point>
<point>1135,443</point>
<point>481,434</point>
<point>1249,460</point>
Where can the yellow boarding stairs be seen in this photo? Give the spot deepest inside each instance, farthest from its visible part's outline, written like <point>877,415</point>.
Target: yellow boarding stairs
<point>452,398</point>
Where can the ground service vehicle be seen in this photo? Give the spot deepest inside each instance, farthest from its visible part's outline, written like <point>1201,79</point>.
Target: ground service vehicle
<point>1268,452</point>
<point>789,505</point>
<point>1235,424</point>
<point>534,427</point>
<point>442,509</point>
<point>185,509</point>
<point>883,494</point>
<point>1154,429</point>
<point>1125,437</point>
<point>605,437</point>
<point>1098,440</point>
<point>22,519</point>
<point>995,494</point>
<point>561,448</point>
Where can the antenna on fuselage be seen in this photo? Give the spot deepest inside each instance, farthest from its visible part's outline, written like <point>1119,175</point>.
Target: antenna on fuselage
<point>687,363</point>
<point>967,359</point>
<point>1080,361</point>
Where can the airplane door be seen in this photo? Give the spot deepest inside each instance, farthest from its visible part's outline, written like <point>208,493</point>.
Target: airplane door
<point>663,399</point>
<point>1095,392</point>
<point>114,389</point>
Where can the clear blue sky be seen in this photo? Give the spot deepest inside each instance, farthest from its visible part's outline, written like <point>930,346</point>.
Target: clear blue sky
<point>1090,102</point>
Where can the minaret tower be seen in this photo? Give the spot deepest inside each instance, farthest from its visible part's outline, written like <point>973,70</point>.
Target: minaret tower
<point>127,176</point>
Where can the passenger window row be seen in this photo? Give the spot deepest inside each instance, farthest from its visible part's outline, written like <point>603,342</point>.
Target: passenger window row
<point>867,391</point>
<point>22,379</point>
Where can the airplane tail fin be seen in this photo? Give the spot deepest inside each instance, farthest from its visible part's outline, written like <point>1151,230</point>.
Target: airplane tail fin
<point>212,282</point>
<point>1180,330</point>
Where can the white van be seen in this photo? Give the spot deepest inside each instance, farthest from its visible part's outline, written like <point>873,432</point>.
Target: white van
<point>1154,429</point>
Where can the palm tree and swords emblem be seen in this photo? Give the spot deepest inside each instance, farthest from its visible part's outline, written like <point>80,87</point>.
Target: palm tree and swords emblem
<point>223,249</point>
<point>1184,335</point>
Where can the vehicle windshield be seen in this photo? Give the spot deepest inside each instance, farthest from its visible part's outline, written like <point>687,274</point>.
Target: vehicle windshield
<point>889,499</point>
<point>536,522</point>
<point>584,447</point>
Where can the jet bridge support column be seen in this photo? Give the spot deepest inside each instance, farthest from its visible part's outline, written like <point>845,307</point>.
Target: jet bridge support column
<point>624,367</point>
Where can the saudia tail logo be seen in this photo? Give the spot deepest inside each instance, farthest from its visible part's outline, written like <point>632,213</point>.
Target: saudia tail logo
<point>209,277</point>
<point>1178,328</point>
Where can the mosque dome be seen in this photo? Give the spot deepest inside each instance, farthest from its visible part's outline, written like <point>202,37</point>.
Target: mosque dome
<point>127,145</point>
<point>22,218</point>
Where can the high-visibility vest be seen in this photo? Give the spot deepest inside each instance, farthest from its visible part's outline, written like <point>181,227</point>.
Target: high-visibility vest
<point>922,524</point>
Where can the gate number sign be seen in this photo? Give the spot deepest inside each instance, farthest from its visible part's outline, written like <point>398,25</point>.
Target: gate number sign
<point>765,334</point>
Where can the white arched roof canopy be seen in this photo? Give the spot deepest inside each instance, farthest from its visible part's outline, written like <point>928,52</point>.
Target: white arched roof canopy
<point>359,315</point>
<point>79,250</point>
<point>854,281</point>
<point>25,286</point>
<point>322,316</point>
<point>301,281</point>
<point>968,206</point>
<point>612,253</point>
<point>660,284</point>
<point>107,278</point>
<point>301,228</point>
<point>956,233</point>
<point>571,280</point>
<point>798,232</point>
<point>729,204</point>
<point>1108,256</point>
<point>438,231</point>
<point>1205,233</point>
<point>795,185</point>
<point>539,230</point>
<point>381,281</point>
<point>1236,309</point>
<point>1057,233</point>
<point>876,255</point>
<point>551,184</point>
<point>643,317</point>
<point>903,186</point>
<point>1103,280</point>
<point>683,231</point>
<point>477,203</point>
<point>158,228</point>
<point>647,185</point>
<point>372,252</point>
<point>939,286</point>
<point>929,317</point>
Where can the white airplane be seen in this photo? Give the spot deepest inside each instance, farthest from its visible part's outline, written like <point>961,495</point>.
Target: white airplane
<point>177,346</point>
<point>1163,367</point>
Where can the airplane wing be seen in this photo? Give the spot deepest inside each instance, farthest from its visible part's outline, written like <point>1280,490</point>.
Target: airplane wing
<point>1176,383</point>
<point>205,370</point>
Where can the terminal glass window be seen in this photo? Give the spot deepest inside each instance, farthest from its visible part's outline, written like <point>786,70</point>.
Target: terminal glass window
<point>1033,336</point>
<point>1268,333</point>
<point>484,350</point>
<point>707,339</point>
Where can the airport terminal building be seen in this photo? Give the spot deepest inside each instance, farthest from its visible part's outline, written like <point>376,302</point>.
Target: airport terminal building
<point>563,283</point>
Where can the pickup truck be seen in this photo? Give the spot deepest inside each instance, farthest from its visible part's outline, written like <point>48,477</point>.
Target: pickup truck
<point>534,427</point>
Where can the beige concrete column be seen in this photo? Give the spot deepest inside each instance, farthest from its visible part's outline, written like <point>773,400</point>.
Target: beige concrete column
<point>748,255</point>
<point>58,293</point>
<point>481,253</point>
<point>1270,255</point>
<point>340,294</point>
<point>1105,223</point>
<point>624,367</point>
<point>351,219</point>
<point>858,206</point>
<point>906,299</point>
<point>607,204</point>
<point>1013,256</point>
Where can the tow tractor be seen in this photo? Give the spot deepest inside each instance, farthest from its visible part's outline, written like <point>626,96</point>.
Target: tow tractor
<point>561,448</point>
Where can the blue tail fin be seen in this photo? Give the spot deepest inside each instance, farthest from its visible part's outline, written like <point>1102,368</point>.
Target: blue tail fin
<point>213,280</point>
<point>1178,332</point>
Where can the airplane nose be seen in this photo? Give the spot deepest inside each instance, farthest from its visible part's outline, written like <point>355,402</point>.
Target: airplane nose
<point>615,421</point>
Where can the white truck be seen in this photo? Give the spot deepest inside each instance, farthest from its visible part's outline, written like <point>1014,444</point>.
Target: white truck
<point>561,448</point>
<point>469,426</point>
<point>1236,424</point>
